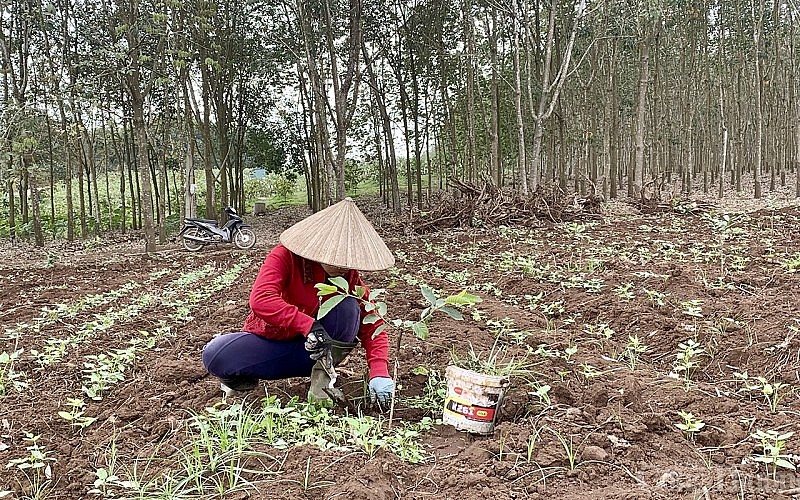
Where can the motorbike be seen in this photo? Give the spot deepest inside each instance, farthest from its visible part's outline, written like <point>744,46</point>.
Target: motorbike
<point>197,233</point>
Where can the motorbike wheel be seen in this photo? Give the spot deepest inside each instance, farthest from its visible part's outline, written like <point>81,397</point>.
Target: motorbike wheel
<point>244,239</point>
<point>192,245</point>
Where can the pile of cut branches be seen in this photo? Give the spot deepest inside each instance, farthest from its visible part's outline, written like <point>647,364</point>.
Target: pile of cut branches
<point>470,205</point>
<point>656,203</point>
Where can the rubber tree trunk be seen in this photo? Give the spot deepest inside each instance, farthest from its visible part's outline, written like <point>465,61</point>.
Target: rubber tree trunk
<point>27,165</point>
<point>758,17</point>
<point>636,176</point>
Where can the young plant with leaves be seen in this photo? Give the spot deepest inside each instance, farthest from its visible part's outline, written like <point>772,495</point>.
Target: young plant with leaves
<point>9,377</point>
<point>76,416</point>
<point>36,467</point>
<point>772,455</point>
<point>633,351</point>
<point>687,360</point>
<point>691,425</point>
<point>339,289</point>
<point>494,362</point>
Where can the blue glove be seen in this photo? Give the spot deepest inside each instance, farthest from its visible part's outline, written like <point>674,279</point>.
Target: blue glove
<point>380,390</point>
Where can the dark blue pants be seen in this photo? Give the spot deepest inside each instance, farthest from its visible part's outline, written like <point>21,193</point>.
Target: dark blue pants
<point>243,355</point>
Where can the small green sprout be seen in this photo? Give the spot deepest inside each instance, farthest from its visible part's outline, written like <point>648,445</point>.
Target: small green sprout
<point>773,392</point>
<point>772,445</point>
<point>602,330</point>
<point>633,351</point>
<point>691,425</point>
<point>686,360</point>
<point>625,291</point>
<point>656,297</point>
<point>692,308</point>
<point>541,392</point>
<point>75,416</point>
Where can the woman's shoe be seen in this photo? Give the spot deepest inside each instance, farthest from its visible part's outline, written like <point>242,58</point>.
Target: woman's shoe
<point>238,386</point>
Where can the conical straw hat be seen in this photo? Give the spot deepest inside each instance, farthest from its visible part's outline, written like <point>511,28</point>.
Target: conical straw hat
<point>339,236</point>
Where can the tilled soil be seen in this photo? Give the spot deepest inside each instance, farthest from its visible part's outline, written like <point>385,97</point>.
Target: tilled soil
<point>566,301</point>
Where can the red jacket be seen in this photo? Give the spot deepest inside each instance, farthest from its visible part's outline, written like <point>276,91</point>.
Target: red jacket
<point>284,304</point>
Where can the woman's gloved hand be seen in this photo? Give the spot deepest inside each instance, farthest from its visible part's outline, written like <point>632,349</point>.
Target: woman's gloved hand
<point>318,341</point>
<point>380,391</point>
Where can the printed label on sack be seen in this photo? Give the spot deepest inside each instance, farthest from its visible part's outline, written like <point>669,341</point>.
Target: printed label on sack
<point>462,408</point>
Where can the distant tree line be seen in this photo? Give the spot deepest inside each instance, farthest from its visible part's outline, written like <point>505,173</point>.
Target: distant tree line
<point>118,103</point>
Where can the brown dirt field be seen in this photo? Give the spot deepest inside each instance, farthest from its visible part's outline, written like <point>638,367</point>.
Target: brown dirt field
<point>566,299</point>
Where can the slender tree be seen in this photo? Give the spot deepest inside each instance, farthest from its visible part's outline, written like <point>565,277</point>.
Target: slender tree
<point>757,16</point>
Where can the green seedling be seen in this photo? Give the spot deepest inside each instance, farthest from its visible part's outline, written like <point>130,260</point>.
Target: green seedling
<point>724,325</point>
<point>491,288</point>
<point>625,291</point>
<point>492,363</point>
<point>634,350</point>
<point>576,230</point>
<point>569,448</point>
<point>773,392</point>
<point>553,309</point>
<point>105,370</point>
<point>589,371</point>
<point>594,285</point>
<point>404,440</point>
<point>533,269</point>
<point>36,468</point>
<point>692,308</point>
<point>649,274</point>
<point>772,445</point>
<point>458,277</point>
<point>446,305</point>
<point>601,330</point>
<point>75,416</point>
<point>332,294</point>
<point>500,328</point>
<point>588,265</point>
<point>53,351</point>
<point>541,392</point>
<point>531,444</point>
<point>718,283</point>
<point>545,351</point>
<point>106,477</point>
<point>691,425</point>
<point>792,264</point>
<point>725,224</point>
<point>656,297</point>
<point>235,429</point>
<point>686,360</point>
<point>644,256</point>
<point>174,297</point>
<point>518,337</point>
<point>434,392</point>
<point>366,434</point>
<point>9,377</point>
<point>478,315</point>
<point>307,484</point>
<point>571,319</point>
<point>570,351</point>
<point>738,262</point>
<point>534,300</point>
<point>61,311</point>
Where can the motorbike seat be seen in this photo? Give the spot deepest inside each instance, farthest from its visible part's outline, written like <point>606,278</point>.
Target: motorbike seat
<point>207,221</point>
